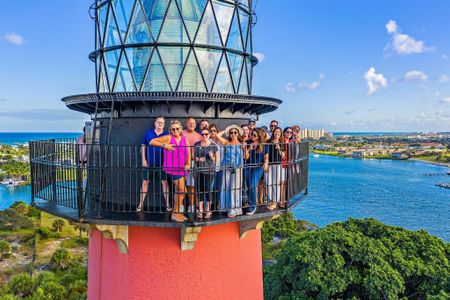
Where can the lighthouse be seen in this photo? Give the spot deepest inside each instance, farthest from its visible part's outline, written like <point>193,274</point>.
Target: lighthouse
<point>177,59</point>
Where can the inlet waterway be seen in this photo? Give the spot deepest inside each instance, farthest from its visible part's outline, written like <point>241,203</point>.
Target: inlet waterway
<point>394,192</point>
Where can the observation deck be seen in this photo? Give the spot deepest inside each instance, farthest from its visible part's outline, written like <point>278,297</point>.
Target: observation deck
<point>106,189</point>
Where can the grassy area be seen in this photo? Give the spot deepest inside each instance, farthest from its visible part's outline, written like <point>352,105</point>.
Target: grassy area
<point>324,152</point>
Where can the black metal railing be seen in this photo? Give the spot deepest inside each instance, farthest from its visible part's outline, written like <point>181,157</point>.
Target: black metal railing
<point>94,183</point>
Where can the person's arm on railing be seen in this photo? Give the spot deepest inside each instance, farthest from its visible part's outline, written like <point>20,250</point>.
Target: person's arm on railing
<point>163,142</point>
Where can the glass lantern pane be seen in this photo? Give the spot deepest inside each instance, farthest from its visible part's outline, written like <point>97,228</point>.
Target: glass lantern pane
<point>235,61</point>
<point>244,20</point>
<point>124,81</point>
<point>156,80</point>
<point>173,59</point>
<point>191,80</point>
<point>111,61</point>
<point>224,14</point>
<point>139,31</point>
<point>173,28</point>
<point>234,38</point>
<point>155,11</point>
<point>112,37</point>
<point>123,10</point>
<point>208,60</point>
<point>243,85</point>
<point>102,17</point>
<point>138,59</point>
<point>223,82</point>
<point>208,33</point>
<point>191,11</point>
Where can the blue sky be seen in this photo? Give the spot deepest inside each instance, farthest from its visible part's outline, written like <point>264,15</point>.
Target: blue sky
<point>340,65</point>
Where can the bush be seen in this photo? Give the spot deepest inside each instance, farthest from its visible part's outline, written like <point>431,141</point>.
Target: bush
<point>33,212</point>
<point>362,259</point>
<point>20,206</point>
<point>61,259</point>
<point>5,247</point>
<point>43,233</point>
<point>58,224</point>
<point>21,285</point>
<point>10,219</point>
<point>283,227</point>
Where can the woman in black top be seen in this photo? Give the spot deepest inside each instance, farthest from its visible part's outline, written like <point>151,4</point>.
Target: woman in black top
<point>205,157</point>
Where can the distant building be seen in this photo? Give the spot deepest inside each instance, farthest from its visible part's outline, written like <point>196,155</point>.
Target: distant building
<point>313,134</point>
<point>399,155</point>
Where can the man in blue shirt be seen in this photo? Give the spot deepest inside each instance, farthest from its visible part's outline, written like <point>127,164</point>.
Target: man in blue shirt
<point>152,157</point>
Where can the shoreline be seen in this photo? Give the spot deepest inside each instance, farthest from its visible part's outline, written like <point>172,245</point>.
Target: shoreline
<point>436,163</point>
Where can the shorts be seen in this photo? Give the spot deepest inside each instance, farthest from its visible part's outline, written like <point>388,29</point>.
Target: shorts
<point>190,181</point>
<point>173,177</point>
<point>283,174</point>
<point>148,174</point>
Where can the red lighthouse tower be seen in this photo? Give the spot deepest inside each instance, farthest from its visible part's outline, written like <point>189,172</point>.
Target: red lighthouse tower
<point>177,59</point>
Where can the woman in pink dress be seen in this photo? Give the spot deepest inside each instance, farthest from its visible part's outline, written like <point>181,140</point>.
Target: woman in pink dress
<point>177,161</point>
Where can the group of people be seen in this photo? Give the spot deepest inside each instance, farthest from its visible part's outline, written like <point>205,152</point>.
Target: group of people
<point>241,166</point>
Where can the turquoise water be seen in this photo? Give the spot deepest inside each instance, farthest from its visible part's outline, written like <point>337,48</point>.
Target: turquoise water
<point>14,138</point>
<point>10,194</point>
<point>394,192</point>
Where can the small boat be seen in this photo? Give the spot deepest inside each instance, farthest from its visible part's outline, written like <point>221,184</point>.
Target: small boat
<point>316,155</point>
<point>443,185</point>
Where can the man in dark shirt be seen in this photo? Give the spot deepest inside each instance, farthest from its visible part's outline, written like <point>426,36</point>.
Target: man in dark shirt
<point>152,157</point>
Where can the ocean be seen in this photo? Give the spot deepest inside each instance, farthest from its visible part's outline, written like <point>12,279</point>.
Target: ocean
<point>394,192</point>
<point>19,138</point>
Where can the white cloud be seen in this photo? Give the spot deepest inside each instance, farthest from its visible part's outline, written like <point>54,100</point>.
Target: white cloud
<point>374,81</point>
<point>402,43</point>
<point>391,26</point>
<point>260,56</point>
<point>349,112</point>
<point>416,75</point>
<point>445,100</point>
<point>14,38</point>
<point>290,87</point>
<point>303,84</point>
<point>443,78</point>
<point>444,56</point>
<point>313,85</point>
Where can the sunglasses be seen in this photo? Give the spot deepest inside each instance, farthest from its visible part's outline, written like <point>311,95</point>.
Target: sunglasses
<point>175,129</point>
<point>289,132</point>
<point>234,132</point>
<point>205,134</point>
<point>273,126</point>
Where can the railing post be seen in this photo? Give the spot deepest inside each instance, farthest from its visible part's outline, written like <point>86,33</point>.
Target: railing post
<point>79,181</point>
<point>32,176</point>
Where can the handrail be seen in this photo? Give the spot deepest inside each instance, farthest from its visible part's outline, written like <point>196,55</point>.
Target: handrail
<point>69,175</point>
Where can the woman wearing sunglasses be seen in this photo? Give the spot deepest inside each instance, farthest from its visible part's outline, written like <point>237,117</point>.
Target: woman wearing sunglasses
<point>255,156</point>
<point>274,174</point>
<point>205,157</point>
<point>177,159</point>
<point>286,164</point>
<point>231,192</point>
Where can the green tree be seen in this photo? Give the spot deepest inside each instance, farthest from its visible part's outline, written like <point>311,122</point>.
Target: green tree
<point>21,285</point>
<point>362,259</point>
<point>33,212</point>
<point>61,259</point>
<point>21,207</point>
<point>58,224</point>
<point>5,247</point>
